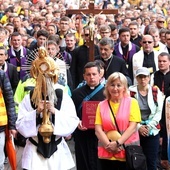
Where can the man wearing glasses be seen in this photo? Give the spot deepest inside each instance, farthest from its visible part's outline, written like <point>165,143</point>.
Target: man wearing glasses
<point>82,56</point>
<point>146,57</point>
<point>160,22</point>
<point>64,29</point>
<point>105,31</point>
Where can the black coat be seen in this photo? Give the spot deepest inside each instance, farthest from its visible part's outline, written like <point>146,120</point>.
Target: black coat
<point>86,142</point>
<point>116,64</point>
<point>82,57</point>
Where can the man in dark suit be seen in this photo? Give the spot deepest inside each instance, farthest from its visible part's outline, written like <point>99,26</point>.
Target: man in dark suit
<point>82,56</point>
<point>10,69</point>
<point>112,63</point>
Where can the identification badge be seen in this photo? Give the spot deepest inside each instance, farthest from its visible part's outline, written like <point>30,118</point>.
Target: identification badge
<point>151,69</point>
<point>18,69</point>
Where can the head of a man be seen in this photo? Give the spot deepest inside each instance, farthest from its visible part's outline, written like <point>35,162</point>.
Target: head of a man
<point>42,21</point>
<point>92,74</point>
<point>10,28</point>
<point>114,32</point>
<point>134,29</point>
<point>64,24</point>
<point>154,32</point>
<point>164,62</point>
<point>17,22</point>
<point>16,40</point>
<point>105,31</point>
<point>78,24</point>
<point>153,16</point>
<point>101,19</point>
<point>52,29</point>
<point>162,35</point>
<point>160,22</point>
<point>53,48</point>
<point>147,43</point>
<point>124,36</point>
<point>167,38</point>
<point>3,35</point>
<point>126,22</point>
<point>24,40</point>
<point>70,41</point>
<point>42,36</point>
<point>86,34</point>
<point>106,47</point>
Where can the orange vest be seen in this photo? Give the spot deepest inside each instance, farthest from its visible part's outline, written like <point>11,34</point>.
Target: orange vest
<point>122,119</point>
<point>3,114</point>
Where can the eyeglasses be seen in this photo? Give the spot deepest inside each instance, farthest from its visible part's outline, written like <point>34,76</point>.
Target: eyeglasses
<point>149,42</point>
<point>161,21</point>
<point>86,35</point>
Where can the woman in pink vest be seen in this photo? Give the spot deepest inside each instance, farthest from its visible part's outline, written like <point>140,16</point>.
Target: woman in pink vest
<point>127,114</point>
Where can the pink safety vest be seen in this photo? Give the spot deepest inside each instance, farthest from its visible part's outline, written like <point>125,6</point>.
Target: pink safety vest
<point>122,119</point>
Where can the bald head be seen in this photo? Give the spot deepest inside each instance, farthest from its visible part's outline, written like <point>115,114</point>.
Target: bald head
<point>147,43</point>
<point>147,37</point>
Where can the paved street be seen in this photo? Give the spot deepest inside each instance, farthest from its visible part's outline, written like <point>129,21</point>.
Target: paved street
<point>19,151</point>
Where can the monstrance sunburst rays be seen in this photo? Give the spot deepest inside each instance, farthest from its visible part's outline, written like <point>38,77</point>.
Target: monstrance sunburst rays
<point>33,55</point>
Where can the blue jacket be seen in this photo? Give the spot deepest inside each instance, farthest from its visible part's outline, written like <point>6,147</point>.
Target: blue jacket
<point>9,101</point>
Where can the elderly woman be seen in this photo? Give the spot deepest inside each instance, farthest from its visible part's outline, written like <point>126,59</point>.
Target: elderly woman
<point>150,103</point>
<point>127,114</point>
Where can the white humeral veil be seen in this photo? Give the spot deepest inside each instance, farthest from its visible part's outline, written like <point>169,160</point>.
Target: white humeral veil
<point>66,122</point>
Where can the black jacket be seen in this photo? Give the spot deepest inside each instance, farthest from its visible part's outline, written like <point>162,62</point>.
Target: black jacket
<point>82,57</point>
<point>116,64</point>
<point>161,79</point>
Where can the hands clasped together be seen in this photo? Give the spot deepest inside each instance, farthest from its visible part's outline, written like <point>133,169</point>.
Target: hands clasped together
<point>49,107</point>
<point>144,130</point>
<point>113,147</point>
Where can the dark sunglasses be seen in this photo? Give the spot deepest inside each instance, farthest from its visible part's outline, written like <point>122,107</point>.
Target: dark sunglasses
<point>161,21</point>
<point>86,35</point>
<point>149,42</point>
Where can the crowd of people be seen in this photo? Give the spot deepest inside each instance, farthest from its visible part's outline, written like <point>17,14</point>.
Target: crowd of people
<point>44,51</point>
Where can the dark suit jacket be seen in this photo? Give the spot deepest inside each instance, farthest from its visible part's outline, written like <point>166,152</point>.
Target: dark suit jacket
<point>81,59</point>
<point>13,76</point>
<point>116,64</point>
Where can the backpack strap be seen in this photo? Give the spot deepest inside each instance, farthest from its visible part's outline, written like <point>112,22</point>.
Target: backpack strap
<point>155,93</point>
<point>88,97</point>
